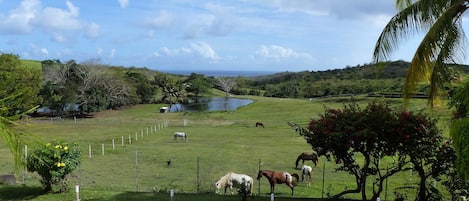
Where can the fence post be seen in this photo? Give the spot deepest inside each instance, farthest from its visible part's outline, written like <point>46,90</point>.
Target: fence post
<point>89,150</point>
<point>102,148</point>
<point>136,169</point>
<point>259,183</point>
<point>323,177</point>
<point>77,191</point>
<point>113,146</point>
<point>198,174</point>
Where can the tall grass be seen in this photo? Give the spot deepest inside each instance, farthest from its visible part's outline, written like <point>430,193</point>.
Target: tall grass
<point>219,142</point>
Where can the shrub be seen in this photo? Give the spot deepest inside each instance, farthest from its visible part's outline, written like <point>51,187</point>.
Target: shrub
<point>53,162</point>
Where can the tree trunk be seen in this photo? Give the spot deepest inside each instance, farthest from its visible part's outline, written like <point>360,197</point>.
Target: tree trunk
<point>422,191</point>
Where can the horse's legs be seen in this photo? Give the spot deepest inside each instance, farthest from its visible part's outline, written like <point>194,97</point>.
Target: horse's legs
<point>289,184</point>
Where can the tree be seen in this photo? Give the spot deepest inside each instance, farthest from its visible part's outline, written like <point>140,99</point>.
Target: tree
<point>226,84</point>
<point>145,90</point>
<point>19,87</point>
<point>169,87</point>
<point>442,44</point>
<point>374,133</point>
<point>22,81</point>
<point>460,127</point>
<point>197,84</point>
<point>60,85</point>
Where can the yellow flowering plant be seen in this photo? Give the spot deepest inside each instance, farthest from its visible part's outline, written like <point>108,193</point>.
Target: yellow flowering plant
<point>53,161</point>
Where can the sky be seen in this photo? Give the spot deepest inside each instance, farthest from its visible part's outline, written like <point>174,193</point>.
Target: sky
<point>223,35</point>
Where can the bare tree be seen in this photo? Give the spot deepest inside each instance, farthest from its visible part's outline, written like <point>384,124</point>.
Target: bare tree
<point>226,84</point>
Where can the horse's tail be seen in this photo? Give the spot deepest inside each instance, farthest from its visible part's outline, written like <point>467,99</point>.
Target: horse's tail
<point>297,177</point>
<point>315,158</point>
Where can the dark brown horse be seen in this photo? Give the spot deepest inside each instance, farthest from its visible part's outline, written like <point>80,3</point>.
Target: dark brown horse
<point>307,156</point>
<point>259,124</point>
<point>278,178</point>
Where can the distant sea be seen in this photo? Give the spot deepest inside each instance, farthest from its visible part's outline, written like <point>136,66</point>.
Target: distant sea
<point>221,73</point>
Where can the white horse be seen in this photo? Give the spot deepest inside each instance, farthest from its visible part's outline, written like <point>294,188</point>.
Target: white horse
<point>232,179</point>
<point>181,135</point>
<point>306,170</point>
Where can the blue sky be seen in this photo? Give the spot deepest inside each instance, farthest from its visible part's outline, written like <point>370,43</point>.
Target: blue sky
<point>254,35</point>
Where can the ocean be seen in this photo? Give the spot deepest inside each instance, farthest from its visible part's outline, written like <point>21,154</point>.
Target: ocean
<point>221,73</point>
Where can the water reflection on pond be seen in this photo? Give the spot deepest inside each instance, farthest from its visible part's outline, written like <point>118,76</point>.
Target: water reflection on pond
<point>211,104</point>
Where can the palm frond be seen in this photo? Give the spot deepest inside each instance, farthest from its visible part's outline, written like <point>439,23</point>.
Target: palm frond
<point>443,44</point>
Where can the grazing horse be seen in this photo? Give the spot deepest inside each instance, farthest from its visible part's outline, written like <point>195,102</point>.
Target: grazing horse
<point>259,124</point>
<point>181,135</point>
<point>307,156</point>
<point>232,179</point>
<point>278,178</point>
<point>306,170</point>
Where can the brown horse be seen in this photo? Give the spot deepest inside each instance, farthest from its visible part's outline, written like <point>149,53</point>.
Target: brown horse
<point>278,178</point>
<point>259,124</point>
<point>307,156</point>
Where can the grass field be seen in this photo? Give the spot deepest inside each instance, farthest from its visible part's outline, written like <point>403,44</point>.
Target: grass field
<point>219,142</point>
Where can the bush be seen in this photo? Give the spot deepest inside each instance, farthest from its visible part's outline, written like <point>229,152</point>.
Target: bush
<point>53,162</point>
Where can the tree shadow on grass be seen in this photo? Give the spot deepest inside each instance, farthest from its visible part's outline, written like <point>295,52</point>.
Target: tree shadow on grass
<point>19,192</point>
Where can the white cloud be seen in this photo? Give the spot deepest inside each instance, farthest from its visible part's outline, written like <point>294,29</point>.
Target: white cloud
<point>123,3</point>
<point>18,20</point>
<point>92,30</point>
<point>44,51</point>
<point>163,19</point>
<point>61,24</point>
<point>205,50</point>
<point>279,52</point>
<point>55,19</point>
<point>201,49</point>
<point>99,51</point>
<point>216,21</point>
<point>113,53</point>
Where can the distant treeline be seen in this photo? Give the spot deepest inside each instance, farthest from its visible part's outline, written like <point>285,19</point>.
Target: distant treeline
<point>79,89</point>
<point>384,79</point>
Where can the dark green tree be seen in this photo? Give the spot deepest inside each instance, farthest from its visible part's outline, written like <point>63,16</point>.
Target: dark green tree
<point>197,84</point>
<point>144,87</point>
<point>374,133</point>
<point>24,82</point>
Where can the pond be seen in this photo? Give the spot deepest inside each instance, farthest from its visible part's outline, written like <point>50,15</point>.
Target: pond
<point>211,104</point>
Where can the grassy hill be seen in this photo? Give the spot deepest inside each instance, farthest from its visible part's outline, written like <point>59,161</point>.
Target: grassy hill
<point>219,142</point>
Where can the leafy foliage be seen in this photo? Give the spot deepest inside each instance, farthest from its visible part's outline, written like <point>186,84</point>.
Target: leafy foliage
<point>53,162</point>
<point>19,85</point>
<point>375,132</point>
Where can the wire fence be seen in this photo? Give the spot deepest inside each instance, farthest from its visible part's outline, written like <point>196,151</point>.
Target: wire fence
<point>122,167</point>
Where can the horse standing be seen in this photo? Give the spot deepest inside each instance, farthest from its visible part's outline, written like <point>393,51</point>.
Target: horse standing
<point>306,170</point>
<point>259,124</point>
<point>278,178</point>
<point>307,156</point>
<point>232,179</point>
<point>181,135</point>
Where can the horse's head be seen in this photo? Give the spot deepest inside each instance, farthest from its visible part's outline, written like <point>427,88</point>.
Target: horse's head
<point>217,186</point>
<point>259,175</point>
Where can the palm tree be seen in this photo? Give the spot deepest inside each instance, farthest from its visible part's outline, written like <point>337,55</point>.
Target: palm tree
<point>442,44</point>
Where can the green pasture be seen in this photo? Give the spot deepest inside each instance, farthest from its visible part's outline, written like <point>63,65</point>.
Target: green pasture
<point>218,142</point>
